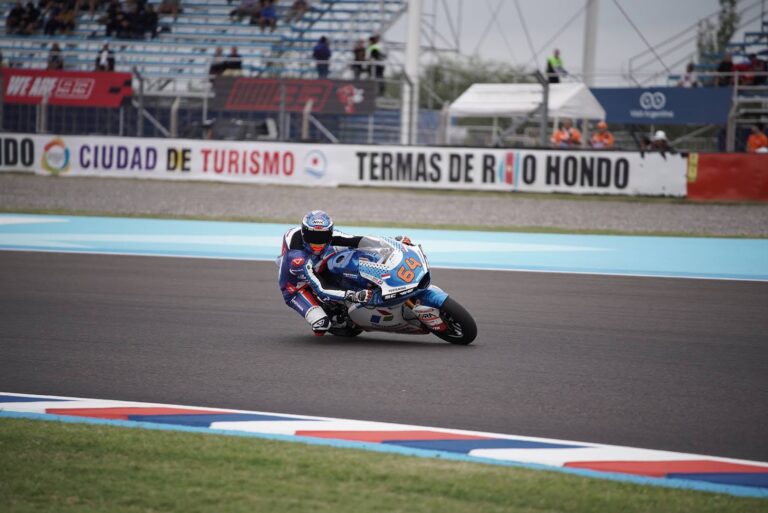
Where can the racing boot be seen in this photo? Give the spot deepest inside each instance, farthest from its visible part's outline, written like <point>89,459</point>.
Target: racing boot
<point>430,317</point>
<point>318,319</point>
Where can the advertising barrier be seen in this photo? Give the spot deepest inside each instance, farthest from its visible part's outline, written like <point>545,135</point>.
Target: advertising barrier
<point>728,176</point>
<point>71,88</point>
<point>594,172</point>
<point>518,170</point>
<point>267,94</point>
<point>165,159</point>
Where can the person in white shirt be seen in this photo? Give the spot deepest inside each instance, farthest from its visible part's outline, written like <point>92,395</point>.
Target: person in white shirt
<point>690,78</point>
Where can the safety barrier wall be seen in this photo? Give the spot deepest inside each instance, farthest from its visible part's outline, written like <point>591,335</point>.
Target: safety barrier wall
<point>728,176</point>
<point>623,173</point>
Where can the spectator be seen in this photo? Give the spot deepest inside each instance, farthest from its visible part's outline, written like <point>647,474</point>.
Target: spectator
<point>375,54</point>
<point>124,29</point>
<point>567,136</point>
<point>555,67</point>
<point>149,21</point>
<point>31,20</point>
<point>67,18</point>
<point>602,139</point>
<point>725,71</point>
<point>297,11</point>
<point>55,59</point>
<point>52,19</point>
<point>208,126</point>
<point>136,22</point>
<point>322,55</point>
<point>14,22</point>
<point>105,61</point>
<point>268,16</point>
<point>358,58</point>
<point>233,66</point>
<point>218,65</point>
<point>170,7</point>
<point>95,5</point>
<point>114,20</point>
<point>758,67</point>
<point>246,8</point>
<point>757,140</point>
<point>111,12</point>
<point>659,142</point>
<point>690,78</point>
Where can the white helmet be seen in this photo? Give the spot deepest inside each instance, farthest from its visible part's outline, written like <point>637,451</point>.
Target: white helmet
<point>660,136</point>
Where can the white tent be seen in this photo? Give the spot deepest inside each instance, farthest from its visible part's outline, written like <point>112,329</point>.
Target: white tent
<point>569,100</point>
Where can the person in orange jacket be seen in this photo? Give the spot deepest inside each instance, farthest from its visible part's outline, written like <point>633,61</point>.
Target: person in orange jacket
<point>757,140</point>
<point>602,139</point>
<point>567,136</point>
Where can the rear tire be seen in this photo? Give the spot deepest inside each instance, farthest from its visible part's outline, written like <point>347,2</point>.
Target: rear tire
<point>341,325</point>
<point>345,332</point>
<point>462,328</point>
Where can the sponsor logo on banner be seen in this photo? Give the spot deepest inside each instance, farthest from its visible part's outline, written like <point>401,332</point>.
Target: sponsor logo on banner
<point>116,157</point>
<point>665,105</point>
<point>693,167</point>
<point>587,172</point>
<point>17,152</point>
<point>248,162</point>
<point>519,170</point>
<point>315,164</point>
<point>652,105</point>
<point>292,95</point>
<point>508,168</point>
<point>75,88</point>
<point>56,157</point>
<point>349,96</point>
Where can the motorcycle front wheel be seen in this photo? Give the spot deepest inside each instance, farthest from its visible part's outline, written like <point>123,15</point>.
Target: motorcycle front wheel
<point>462,328</point>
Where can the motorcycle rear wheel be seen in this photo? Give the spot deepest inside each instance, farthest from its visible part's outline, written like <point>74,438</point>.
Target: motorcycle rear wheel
<point>345,331</point>
<point>462,328</point>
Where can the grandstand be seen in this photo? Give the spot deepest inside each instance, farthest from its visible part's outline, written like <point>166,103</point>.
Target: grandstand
<point>184,46</point>
<point>174,65</point>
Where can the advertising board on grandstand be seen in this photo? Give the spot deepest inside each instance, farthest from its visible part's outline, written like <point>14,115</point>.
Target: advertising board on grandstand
<point>71,88</point>
<point>665,105</point>
<point>267,94</point>
<point>625,173</point>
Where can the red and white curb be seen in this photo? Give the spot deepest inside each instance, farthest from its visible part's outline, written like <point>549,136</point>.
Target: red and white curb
<point>664,468</point>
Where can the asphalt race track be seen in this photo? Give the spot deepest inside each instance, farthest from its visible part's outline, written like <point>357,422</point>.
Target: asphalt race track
<point>673,364</point>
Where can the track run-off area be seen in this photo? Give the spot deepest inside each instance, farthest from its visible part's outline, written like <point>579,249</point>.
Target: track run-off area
<point>657,343</point>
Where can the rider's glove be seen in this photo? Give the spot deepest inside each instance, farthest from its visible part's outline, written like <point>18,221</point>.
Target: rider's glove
<point>404,239</point>
<point>359,296</point>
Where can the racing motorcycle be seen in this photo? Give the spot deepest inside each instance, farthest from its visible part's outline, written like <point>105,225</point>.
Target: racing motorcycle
<point>404,300</point>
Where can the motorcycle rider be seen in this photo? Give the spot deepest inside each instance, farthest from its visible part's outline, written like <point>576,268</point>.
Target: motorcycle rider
<point>305,251</point>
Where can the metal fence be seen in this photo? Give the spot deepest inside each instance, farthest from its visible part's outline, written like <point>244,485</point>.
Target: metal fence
<point>184,110</point>
<point>166,107</point>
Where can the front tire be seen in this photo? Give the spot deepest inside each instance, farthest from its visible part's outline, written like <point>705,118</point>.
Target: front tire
<point>462,329</point>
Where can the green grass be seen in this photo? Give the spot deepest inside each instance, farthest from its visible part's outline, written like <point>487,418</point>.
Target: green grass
<point>341,221</point>
<point>51,466</point>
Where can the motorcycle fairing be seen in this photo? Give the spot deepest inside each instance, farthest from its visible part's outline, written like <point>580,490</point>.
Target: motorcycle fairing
<point>399,270</point>
<point>396,317</point>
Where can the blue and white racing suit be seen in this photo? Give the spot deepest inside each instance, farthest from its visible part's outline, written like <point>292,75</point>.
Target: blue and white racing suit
<point>298,279</point>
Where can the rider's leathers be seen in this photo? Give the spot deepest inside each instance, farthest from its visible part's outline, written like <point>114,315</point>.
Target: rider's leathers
<point>298,279</point>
